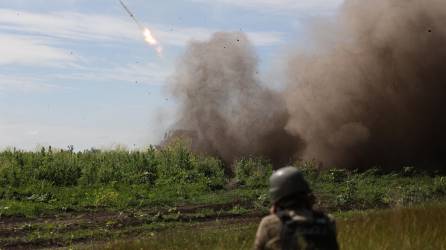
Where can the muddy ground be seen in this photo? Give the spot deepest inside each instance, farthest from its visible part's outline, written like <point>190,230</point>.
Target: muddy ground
<point>67,229</point>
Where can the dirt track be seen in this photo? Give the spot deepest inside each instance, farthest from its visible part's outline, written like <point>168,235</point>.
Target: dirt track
<point>57,230</point>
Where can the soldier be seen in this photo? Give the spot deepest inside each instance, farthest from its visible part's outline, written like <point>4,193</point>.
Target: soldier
<point>293,223</point>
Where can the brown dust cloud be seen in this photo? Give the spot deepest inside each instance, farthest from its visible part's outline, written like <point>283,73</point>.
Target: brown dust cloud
<point>369,91</point>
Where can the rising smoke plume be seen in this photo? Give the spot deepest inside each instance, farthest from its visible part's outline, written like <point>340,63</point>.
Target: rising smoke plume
<point>370,91</point>
<point>374,92</point>
<point>223,101</point>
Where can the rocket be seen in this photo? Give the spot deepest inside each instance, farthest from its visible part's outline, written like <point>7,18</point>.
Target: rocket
<point>148,36</point>
<point>131,14</point>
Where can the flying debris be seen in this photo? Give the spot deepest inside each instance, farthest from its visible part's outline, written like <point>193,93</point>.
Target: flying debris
<point>148,37</point>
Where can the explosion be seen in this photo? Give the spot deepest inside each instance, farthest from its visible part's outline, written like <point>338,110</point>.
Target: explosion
<point>224,103</point>
<point>370,92</point>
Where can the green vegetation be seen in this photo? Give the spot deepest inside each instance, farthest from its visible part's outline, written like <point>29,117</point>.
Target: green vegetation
<point>60,197</point>
<point>56,181</point>
<point>50,182</point>
<point>415,228</point>
<point>216,236</point>
<point>407,228</point>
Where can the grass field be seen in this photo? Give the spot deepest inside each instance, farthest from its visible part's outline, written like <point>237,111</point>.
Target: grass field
<point>414,228</point>
<point>59,198</point>
<point>405,228</point>
<point>51,182</point>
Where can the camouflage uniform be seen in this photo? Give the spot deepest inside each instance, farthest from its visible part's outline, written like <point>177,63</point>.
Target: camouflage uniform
<point>304,229</point>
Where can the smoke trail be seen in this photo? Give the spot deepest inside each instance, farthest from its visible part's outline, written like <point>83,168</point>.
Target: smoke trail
<point>223,101</point>
<point>374,91</point>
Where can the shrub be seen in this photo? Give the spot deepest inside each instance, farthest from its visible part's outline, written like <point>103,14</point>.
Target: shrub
<point>212,170</point>
<point>183,173</point>
<point>347,196</point>
<point>310,169</point>
<point>253,172</point>
<point>106,197</point>
<point>336,175</point>
<point>10,174</point>
<point>439,186</point>
<point>60,168</point>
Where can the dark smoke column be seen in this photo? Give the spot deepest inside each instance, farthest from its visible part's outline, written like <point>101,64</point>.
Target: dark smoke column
<point>373,91</point>
<point>222,102</point>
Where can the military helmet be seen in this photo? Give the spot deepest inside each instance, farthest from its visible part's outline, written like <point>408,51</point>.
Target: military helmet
<point>287,181</point>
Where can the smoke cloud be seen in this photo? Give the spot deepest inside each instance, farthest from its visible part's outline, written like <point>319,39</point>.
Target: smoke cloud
<point>370,91</point>
<point>223,101</point>
<point>374,90</point>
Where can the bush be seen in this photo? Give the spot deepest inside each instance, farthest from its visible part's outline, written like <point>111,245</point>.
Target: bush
<point>11,174</point>
<point>106,197</point>
<point>253,172</point>
<point>310,169</point>
<point>439,186</point>
<point>66,168</point>
<point>60,168</point>
<point>336,175</point>
<point>183,174</point>
<point>347,196</point>
<point>66,180</point>
<point>213,172</point>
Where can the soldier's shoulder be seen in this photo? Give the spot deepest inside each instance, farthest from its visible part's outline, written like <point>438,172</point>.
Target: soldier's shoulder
<point>268,232</point>
<point>270,219</point>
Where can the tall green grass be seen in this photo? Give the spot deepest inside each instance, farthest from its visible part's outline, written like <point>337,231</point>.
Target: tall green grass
<point>66,168</point>
<point>53,181</point>
<point>61,180</point>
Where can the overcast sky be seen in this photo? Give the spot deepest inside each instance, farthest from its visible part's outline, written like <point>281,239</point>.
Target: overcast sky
<point>77,72</point>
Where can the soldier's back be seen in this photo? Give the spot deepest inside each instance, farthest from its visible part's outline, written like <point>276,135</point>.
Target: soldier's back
<point>304,229</point>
